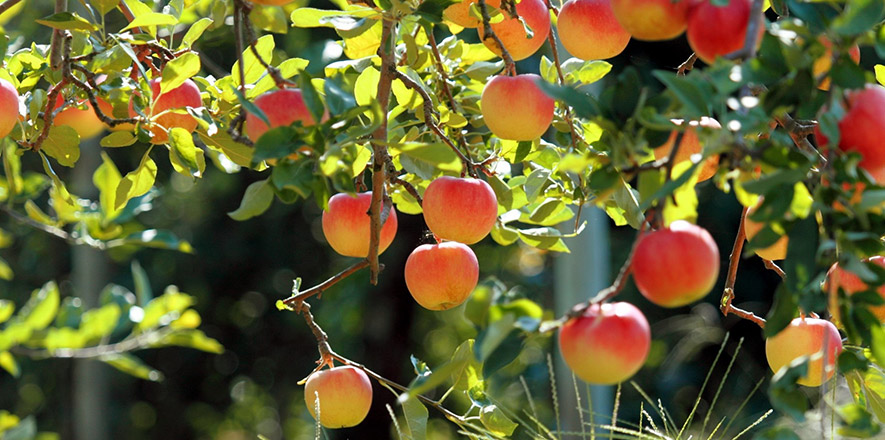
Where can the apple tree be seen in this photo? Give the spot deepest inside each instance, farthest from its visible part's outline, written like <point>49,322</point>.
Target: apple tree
<point>484,136</point>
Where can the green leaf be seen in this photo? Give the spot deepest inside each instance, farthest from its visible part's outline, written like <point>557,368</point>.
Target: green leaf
<point>118,139</point>
<point>252,68</point>
<point>133,366</point>
<point>496,421</point>
<point>41,308</point>
<point>7,307</point>
<point>107,178</point>
<point>186,158</point>
<point>195,31</point>
<point>858,17</point>
<point>880,73</point>
<point>296,176</point>
<point>62,144</point>
<point>585,72</point>
<point>179,70</point>
<point>425,160</point>
<point>777,433</point>
<point>67,21</point>
<point>856,421</point>
<point>546,238</point>
<point>416,418</point>
<point>8,363</point>
<point>99,323</point>
<point>312,17</point>
<point>191,338</point>
<point>693,97</point>
<point>5,270</point>
<point>154,238</point>
<point>171,303</point>
<point>35,213</point>
<point>256,200</point>
<point>104,6</point>
<point>151,19</point>
<point>136,182</point>
<point>238,153</point>
<point>801,251</point>
<point>143,291</point>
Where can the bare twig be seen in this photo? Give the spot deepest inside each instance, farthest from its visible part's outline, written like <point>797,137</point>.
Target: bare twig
<point>725,305</point>
<point>509,65</point>
<point>799,134</point>
<point>295,301</point>
<point>687,65</point>
<point>752,37</point>
<point>770,265</point>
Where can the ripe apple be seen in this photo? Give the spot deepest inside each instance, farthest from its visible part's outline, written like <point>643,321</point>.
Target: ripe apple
<point>607,344</point>
<point>512,32</point>
<point>824,63</point>
<point>677,265</point>
<point>462,210</point>
<point>83,120</point>
<point>861,128</point>
<point>714,31</point>
<point>282,107</point>
<point>851,283</point>
<point>441,276</point>
<point>459,13</point>
<point>806,337</point>
<point>515,108</point>
<point>185,95</point>
<point>344,393</point>
<point>347,225</point>
<point>589,30</point>
<point>690,146</point>
<point>9,101</point>
<point>777,251</point>
<point>652,20</point>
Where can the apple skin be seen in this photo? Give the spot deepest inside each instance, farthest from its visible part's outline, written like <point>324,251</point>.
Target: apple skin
<point>805,337</point>
<point>589,30</point>
<point>823,64</point>
<point>690,146</point>
<point>441,276</point>
<point>851,283</point>
<point>512,33</point>
<point>345,395</point>
<point>84,121</point>
<point>185,95</point>
<point>282,107</point>
<point>677,265</point>
<point>515,108</point>
<point>652,20</point>
<point>459,13</point>
<point>715,31</point>
<point>607,344</point>
<point>462,210</point>
<point>10,101</point>
<point>347,225</point>
<point>777,251</point>
<point>861,129</point>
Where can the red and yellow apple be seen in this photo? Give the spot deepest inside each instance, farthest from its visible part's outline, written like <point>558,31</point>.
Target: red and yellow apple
<point>347,225</point>
<point>777,251</point>
<point>344,394</point>
<point>459,13</point>
<point>824,63</point>
<point>715,31</point>
<point>162,119</point>
<point>83,120</point>
<point>462,210</point>
<point>607,344</point>
<point>677,265</point>
<point>589,30</point>
<point>8,101</point>
<point>850,283</point>
<point>691,145</point>
<point>861,128</point>
<point>515,108</point>
<point>512,32</point>
<point>806,337</point>
<point>441,276</point>
<point>652,20</point>
<point>282,107</point>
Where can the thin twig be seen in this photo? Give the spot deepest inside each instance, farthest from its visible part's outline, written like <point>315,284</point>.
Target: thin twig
<point>725,305</point>
<point>752,36</point>
<point>509,65</point>
<point>799,134</point>
<point>444,85</point>
<point>52,230</point>
<point>295,301</point>
<point>771,265</point>
<point>687,65</point>
<point>132,343</point>
<point>551,37</point>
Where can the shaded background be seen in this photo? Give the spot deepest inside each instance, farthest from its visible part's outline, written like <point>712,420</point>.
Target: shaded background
<point>240,269</point>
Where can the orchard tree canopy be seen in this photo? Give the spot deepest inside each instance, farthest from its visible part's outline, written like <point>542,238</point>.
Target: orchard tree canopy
<point>507,133</point>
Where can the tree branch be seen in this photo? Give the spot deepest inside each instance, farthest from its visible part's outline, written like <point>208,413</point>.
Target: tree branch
<point>725,304</point>
<point>752,37</point>
<point>296,301</point>
<point>687,65</point>
<point>131,343</point>
<point>551,38</point>
<point>509,65</point>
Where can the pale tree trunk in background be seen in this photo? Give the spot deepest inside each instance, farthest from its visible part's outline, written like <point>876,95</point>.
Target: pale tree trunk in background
<point>579,275</point>
<point>89,275</point>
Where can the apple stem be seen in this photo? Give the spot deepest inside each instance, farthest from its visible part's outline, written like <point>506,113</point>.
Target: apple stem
<point>551,38</point>
<point>725,304</point>
<point>509,65</point>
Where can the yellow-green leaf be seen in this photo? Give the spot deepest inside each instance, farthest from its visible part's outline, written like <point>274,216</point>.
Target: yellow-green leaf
<point>880,74</point>
<point>107,178</point>
<point>256,200</point>
<point>186,158</point>
<point>195,31</point>
<point>152,19</point>
<point>62,144</point>
<point>67,21</point>
<point>179,70</point>
<point>132,365</point>
<point>9,364</point>
<point>7,307</point>
<point>36,214</point>
<point>136,183</point>
<point>118,139</point>
<point>5,270</point>
<point>104,6</point>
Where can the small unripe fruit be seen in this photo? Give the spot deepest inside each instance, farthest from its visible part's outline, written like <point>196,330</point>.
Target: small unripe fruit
<point>441,276</point>
<point>515,108</point>
<point>9,103</point>
<point>589,30</point>
<point>824,63</point>
<point>691,145</point>
<point>607,344</point>
<point>185,95</point>
<point>652,20</point>
<point>459,13</point>
<point>345,396</point>
<point>282,107</point>
<point>850,283</point>
<point>806,337</point>
<point>677,265</point>
<point>715,31</point>
<point>777,251</point>
<point>347,225</point>
<point>512,32</point>
<point>462,210</point>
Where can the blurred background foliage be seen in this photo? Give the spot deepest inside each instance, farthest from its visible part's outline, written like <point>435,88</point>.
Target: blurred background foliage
<point>239,269</point>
